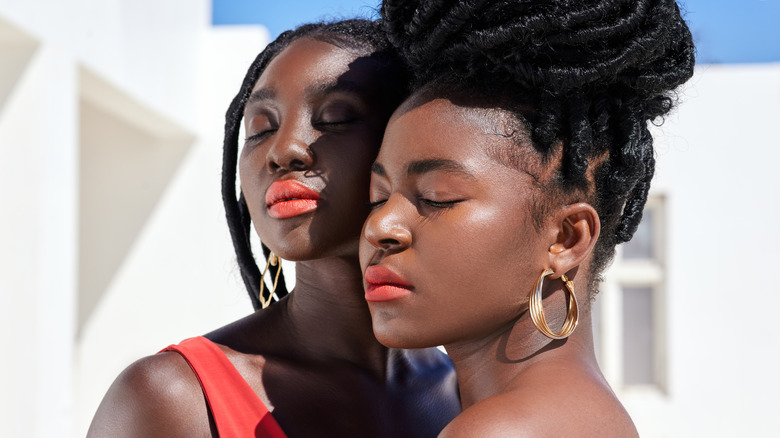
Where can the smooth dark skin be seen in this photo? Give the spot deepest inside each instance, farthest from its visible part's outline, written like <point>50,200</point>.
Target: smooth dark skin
<point>312,358</point>
<point>452,217</point>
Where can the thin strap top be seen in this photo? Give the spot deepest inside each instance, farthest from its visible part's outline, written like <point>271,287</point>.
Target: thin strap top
<point>234,405</point>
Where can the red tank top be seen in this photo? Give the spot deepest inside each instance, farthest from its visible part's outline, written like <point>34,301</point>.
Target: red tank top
<point>236,409</point>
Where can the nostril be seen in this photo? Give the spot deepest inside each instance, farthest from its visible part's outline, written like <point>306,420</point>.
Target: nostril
<point>289,156</point>
<point>388,242</point>
<point>297,164</point>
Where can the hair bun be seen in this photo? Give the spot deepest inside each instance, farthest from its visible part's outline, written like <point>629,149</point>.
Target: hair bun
<point>555,46</point>
<point>595,72</point>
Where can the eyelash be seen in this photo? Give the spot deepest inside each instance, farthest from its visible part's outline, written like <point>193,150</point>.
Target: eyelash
<point>338,124</point>
<point>259,136</point>
<point>262,134</point>
<point>373,205</point>
<point>438,204</point>
<point>428,202</point>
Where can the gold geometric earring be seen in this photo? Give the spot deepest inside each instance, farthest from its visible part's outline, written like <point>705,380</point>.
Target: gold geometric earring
<point>537,312</point>
<point>273,260</point>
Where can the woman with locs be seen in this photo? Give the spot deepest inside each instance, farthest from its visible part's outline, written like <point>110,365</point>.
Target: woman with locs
<point>504,183</point>
<point>315,104</point>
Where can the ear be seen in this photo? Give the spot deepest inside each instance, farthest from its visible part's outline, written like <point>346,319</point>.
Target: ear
<point>577,227</point>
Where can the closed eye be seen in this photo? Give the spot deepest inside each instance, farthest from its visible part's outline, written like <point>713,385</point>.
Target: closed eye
<point>254,138</point>
<point>335,111</point>
<point>439,204</point>
<point>373,205</point>
<point>334,125</point>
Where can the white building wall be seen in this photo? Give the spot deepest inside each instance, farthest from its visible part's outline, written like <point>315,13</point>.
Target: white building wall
<point>718,170</point>
<point>169,77</point>
<point>38,214</point>
<point>152,81</point>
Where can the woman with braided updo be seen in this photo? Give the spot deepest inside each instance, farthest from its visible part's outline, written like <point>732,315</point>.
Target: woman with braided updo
<point>314,104</point>
<point>503,184</point>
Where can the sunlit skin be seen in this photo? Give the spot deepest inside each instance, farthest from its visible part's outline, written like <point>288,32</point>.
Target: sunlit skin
<point>450,254</point>
<point>314,123</point>
<point>321,133</point>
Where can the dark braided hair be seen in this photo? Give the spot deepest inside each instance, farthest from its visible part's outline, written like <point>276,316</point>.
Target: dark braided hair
<point>593,72</point>
<point>363,36</point>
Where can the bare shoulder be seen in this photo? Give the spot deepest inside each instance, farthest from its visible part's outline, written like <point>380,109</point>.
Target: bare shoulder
<point>158,395</point>
<point>498,416</point>
<point>583,409</point>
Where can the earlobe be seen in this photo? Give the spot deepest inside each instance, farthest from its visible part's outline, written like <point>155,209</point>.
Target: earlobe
<point>577,231</point>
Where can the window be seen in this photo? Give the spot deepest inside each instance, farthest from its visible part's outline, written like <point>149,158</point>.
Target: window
<point>628,314</point>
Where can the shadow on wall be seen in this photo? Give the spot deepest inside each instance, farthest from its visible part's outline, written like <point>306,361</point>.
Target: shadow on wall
<point>128,154</point>
<point>16,50</point>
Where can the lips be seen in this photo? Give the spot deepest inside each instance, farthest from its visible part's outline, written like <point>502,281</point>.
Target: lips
<point>385,285</point>
<point>289,198</point>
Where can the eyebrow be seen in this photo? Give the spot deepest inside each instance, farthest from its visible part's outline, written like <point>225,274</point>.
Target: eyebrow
<point>334,87</point>
<point>312,90</point>
<point>260,95</point>
<point>424,166</point>
<point>378,169</point>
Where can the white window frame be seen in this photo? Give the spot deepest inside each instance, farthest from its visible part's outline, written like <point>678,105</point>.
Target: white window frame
<point>639,273</point>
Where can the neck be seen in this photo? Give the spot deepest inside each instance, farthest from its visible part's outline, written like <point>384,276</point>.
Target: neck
<point>496,364</point>
<point>328,317</point>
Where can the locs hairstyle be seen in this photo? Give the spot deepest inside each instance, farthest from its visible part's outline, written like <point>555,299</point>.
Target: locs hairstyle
<point>593,72</point>
<point>362,36</point>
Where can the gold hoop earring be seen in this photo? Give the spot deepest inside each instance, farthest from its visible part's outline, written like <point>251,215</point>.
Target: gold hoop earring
<point>273,260</point>
<point>537,312</point>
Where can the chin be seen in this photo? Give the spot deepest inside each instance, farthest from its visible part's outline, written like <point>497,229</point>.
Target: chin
<point>392,337</point>
<point>299,254</point>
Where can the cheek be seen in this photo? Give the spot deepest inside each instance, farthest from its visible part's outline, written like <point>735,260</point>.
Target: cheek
<point>243,176</point>
<point>483,237</point>
<point>365,251</point>
<point>247,180</point>
<point>479,268</point>
<point>251,161</point>
<point>351,172</point>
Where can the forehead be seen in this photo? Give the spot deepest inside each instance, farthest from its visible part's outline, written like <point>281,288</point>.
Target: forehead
<point>438,127</point>
<point>309,61</point>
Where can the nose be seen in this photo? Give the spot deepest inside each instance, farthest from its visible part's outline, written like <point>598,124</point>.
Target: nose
<point>290,149</point>
<point>386,226</point>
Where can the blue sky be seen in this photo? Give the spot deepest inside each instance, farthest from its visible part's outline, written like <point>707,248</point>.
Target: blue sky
<point>725,31</point>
